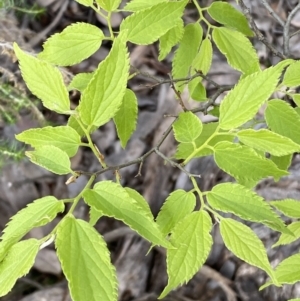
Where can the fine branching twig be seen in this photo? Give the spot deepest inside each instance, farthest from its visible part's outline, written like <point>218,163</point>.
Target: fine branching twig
<point>259,35</point>
<point>272,12</point>
<point>286,30</point>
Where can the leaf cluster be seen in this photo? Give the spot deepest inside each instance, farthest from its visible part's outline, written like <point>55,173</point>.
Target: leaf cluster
<point>239,148</point>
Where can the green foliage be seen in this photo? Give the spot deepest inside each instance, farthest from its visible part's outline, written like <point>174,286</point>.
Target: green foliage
<point>80,246</point>
<point>71,46</point>
<point>182,227</point>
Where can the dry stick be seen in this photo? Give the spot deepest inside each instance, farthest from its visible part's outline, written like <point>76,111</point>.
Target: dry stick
<point>259,35</point>
<point>272,12</point>
<point>43,34</point>
<point>286,30</point>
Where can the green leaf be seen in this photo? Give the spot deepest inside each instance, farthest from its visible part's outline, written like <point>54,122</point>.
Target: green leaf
<point>177,206</point>
<point>125,118</point>
<point>109,5</point>
<point>297,299</point>
<point>146,26</point>
<point>17,263</point>
<point>170,39</point>
<point>51,158</point>
<point>193,243</point>
<point>74,124</point>
<point>292,75</point>
<point>39,213</point>
<point>203,59</point>
<point>282,162</point>
<point>296,99</point>
<point>288,270</point>
<point>244,164</point>
<point>44,81</point>
<point>226,14</point>
<point>286,238</point>
<point>268,141</point>
<point>80,81</point>
<point>197,90</point>
<point>243,101</point>
<point>184,150</point>
<point>104,93</point>
<point>139,199</point>
<point>74,44</point>
<point>244,243</point>
<point>95,215</point>
<point>288,207</point>
<point>186,52</point>
<point>246,204</point>
<point>114,201</point>
<point>63,137</point>
<point>136,5</point>
<point>187,127</point>
<point>282,119</point>
<point>85,2</point>
<point>237,49</point>
<point>85,261</point>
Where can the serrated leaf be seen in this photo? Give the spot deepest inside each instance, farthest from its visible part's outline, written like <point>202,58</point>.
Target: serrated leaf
<point>85,261</point>
<point>109,5</point>
<point>44,81</point>
<point>184,150</point>
<point>292,75</point>
<point>288,207</point>
<point>244,164</point>
<point>17,263</point>
<point>193,243</point>
<point>197,90</point>
<point>286,238</point>
<point>103,96</point>
<point>63,137</point>
<point>170,39</point>
<point>186,52</point>
<point>74,44</point>
<point>80,81</point>
<point>141,201</point>
<point>202,61</point>
<point>268,141</point>
<point>146,26</point>
<point>136,5</point>
<point>226,14</point>
<point>237,49</point>
<point>51,158</point>
<point>114,201</point>
<point>245,244</point>
<point>243,101</point>
<point>246,204</point>
<point>282,119</point>
<point>39,213</point>
<point>187,127</point>
<point>282,162</point>
<point>85,2</point>
<point>177,206</point>
<point>125,118</point>
<point>288,270</point>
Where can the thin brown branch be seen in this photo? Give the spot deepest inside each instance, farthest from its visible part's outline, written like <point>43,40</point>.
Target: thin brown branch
<point>258,34</point>
<point>174,164</point>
